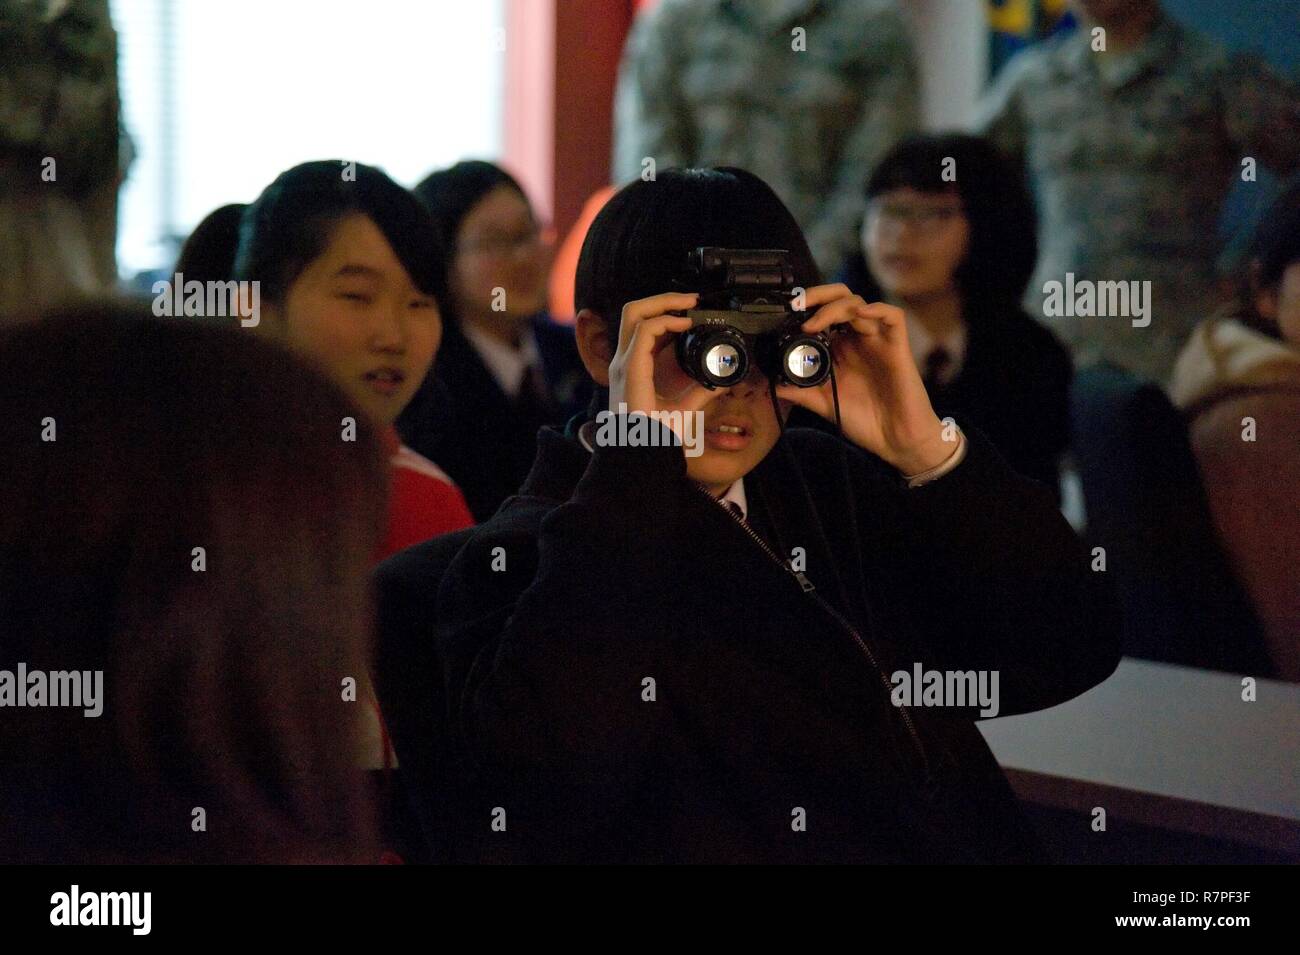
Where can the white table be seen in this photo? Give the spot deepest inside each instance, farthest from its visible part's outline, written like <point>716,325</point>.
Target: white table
<point>1168,746</point>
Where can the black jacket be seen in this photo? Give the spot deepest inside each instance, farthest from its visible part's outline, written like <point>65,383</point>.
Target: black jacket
<point>1014,385</point>
<point>462,421</point>
<point>1014,382</point>
<point>524,688</point>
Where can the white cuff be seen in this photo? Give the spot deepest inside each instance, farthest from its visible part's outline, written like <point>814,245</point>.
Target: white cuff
<point>939,470</point>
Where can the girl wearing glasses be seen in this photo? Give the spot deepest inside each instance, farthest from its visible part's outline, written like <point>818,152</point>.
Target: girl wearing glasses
<point>505,369</point>
<point>949,236</point>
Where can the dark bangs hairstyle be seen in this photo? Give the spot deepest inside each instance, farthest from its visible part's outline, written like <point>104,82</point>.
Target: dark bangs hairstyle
<point>129,442</point>
<point>1274,249</point>
<point>999,209</point>
<point>291,222</point>
<point>638,243</point>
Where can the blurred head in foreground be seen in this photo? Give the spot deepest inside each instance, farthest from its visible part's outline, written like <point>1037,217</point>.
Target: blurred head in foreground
<point>181,516</point>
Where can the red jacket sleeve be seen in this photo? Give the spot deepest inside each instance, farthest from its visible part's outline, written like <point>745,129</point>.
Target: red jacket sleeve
<point>421,505</point>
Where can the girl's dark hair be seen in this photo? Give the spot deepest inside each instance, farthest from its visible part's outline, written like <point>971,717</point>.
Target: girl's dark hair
<point>209,253</point>
<point>451,193</point>
<point>130,443</point>
<point>638,243</point>
<point>290,224</point>
<point>1275,248</point>
<point>1003,246</point>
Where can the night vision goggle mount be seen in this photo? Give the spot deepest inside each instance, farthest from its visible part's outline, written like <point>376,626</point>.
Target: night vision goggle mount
<point>745,318</point>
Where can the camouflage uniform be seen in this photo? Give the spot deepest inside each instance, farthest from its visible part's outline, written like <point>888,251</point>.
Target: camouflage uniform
<point>58,99</point>
<point>716,82</point>
<point>1131,155</point>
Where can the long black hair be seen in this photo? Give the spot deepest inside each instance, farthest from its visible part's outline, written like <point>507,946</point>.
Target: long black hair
<point>1003,244</point>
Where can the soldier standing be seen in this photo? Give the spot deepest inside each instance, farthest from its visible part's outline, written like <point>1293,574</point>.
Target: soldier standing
<point>805,94</point>
<point>1132,130</point>
<point>60,154</point>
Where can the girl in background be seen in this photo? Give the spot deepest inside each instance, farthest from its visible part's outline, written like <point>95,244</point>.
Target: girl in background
<point>1238,383</point>
<point>208,254</point>
<point>351,278</point>
<point>949,236</point>
<point>505,369</point>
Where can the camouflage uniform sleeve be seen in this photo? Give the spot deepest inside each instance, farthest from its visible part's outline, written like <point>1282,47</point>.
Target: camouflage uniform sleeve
<point>27,85</point>
<point>650,115</point>
<point>58,86</point>
<point>890,111</point>
<point>998,115</point>
<point>1261,111</point>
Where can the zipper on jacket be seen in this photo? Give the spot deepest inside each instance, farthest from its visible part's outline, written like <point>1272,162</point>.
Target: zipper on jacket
<point>808,588</point>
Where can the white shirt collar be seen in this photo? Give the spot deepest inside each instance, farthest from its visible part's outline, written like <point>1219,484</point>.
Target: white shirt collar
<point>922,343</point>
<point>507,365</point>
<point>735,494</point>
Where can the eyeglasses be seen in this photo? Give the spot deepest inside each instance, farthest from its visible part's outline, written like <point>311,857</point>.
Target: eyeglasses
<point>926,219</point>
<point>498,245</point>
